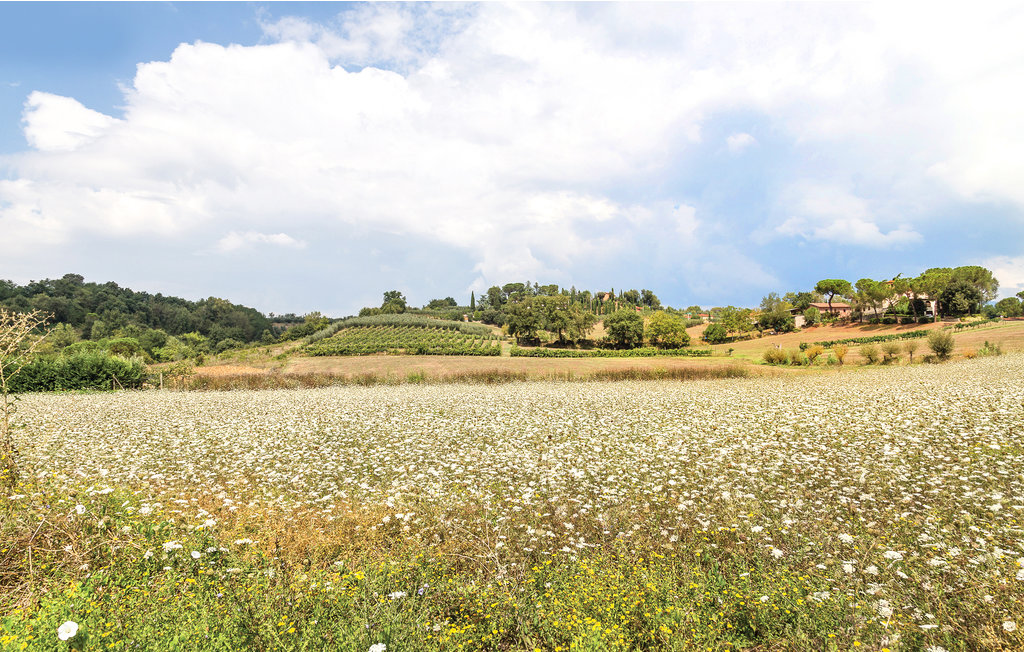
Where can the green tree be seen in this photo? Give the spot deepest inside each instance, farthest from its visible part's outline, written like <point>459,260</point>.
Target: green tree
<point>812,316</point>
<point>472,301</point>
<point>1009,307</point>
<point>832,287</point>
<point>667,331</point>
<point>978,277</point>
<point>650,299</point>
<point>715,334</point>
<point>394,302</point>
<point>734,320</point>
<point>625,328</point>
<point>524,321</point>
<point>960,297</point>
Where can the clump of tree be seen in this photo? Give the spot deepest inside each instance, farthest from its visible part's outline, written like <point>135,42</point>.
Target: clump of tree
<point>625,328</point>
<point>667,331</point>
<point>94,311</point>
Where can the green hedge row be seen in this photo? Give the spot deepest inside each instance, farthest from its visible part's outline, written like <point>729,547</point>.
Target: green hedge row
<point>972,324</point>
<point>82,370</point>
<point>871,339</point>
<point>646,352</point>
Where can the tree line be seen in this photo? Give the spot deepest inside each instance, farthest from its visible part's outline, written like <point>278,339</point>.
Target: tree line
<point>163,327</point>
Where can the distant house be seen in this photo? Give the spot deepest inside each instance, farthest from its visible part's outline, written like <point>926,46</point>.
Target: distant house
<point>930,304</point>
<point>838,309</point>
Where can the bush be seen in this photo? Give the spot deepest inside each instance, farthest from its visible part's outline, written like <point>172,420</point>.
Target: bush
<point>941,343</point>
<point>910,346</point>
<point>83,370</point>
<point>870,353</point>
<point>891,351</point>
<point>840,351</point>
<point>991,349</point>
<point>796,358</point>
<point>813,352</point>
<point>773,355</point>
<point>925,320</point>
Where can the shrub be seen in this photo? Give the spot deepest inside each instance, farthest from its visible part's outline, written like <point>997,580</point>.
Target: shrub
<point>910,346</point>
<point>970,355</point>
<point>773,355</point>
<point>991,349</point>
<point>813,352</point>
<point>796,357</point>
<point>870,353</point>
<point>840,351</point>
<point>941,343</point>
<point>891,351</point>
<point>925,320</point>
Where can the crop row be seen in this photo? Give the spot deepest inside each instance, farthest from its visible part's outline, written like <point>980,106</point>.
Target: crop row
<point>870,339</point>
<point>646,352</point>
<point>410,340</point>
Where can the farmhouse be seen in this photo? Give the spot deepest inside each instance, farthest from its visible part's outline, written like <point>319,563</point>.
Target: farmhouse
<point>839,309</point>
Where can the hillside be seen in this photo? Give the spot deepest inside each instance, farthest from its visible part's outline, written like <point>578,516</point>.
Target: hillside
<point>94,311</point>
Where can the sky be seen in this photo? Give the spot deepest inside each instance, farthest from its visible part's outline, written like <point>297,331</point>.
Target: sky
<point>310,156</point>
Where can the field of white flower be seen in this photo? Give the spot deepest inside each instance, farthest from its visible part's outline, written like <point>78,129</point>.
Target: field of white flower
<point>898,490</point>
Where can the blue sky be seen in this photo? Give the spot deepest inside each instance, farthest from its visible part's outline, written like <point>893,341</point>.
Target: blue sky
<point>309,156</point>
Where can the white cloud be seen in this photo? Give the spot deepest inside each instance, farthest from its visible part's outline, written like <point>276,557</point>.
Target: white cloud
<point>1009,271</point>
<point>832,213</point>
<point>234,241</point>
<point>536,138</point>
<point>739,141</point>
<point>56,123</point>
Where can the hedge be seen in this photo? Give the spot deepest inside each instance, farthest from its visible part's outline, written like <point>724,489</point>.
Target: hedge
<point>645,352</point>
<point>82,370</point>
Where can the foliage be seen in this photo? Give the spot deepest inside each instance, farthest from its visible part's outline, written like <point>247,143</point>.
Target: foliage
<point>734,320</point>
<point>83,370</point>
<point>910,347</point>
<point>891,351</point>
<point>18,343</point>
<point>840,351</point>
<point>960,297</point>
<point>714,334</point>
<point>812,316</point>
<point>813,352</point>
<point>870,353</point>
<point>101,310</point>
<point>405,339</point>
<point>667,331</point>
<point>941,343</point>
<point>411,321</point>
<point>833,287</point>
<point>774,355</point>
<point>625,328</point>
<point>645,352</point>
<point>870,339</point>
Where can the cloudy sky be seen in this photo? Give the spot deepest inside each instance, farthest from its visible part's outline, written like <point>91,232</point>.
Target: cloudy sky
<point>297,157</point>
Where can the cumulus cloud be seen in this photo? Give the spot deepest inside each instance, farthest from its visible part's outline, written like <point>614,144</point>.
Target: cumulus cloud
<point>234,241</point>
<point>739,141</point>
<point>535,138</point>
<point>1010,272</point>
<point>832,213</point>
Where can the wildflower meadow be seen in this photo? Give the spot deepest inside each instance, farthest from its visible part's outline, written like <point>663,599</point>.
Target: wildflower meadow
<point>869,510</point>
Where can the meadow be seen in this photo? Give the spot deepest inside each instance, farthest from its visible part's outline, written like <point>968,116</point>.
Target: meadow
<point>882,509</point>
